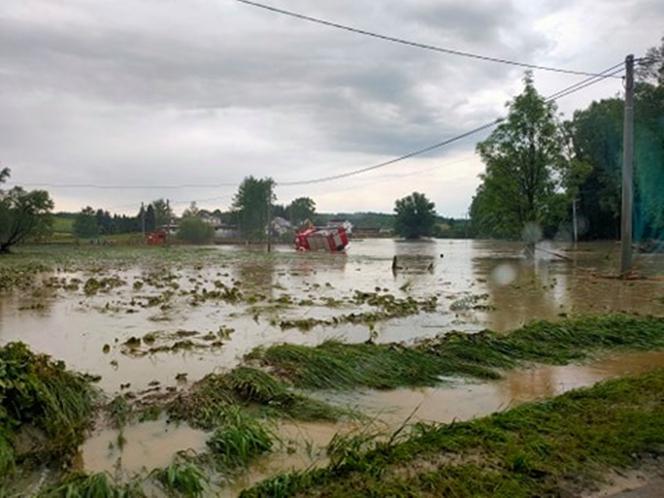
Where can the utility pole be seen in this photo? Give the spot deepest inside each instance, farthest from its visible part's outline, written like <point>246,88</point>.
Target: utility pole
<point>627,169</point>
<point>575,223</point>
<point>269,217</point>
<point>143,219</point>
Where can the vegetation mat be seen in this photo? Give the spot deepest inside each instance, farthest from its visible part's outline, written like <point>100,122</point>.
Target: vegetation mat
<point>559,447</point>
<point>335,365</point>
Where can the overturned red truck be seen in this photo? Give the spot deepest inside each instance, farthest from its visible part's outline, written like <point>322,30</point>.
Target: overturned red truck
<point>332,238</point>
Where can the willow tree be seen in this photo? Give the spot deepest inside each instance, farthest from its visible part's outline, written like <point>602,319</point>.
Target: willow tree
<point>23,215</point>
<point>523,155</point>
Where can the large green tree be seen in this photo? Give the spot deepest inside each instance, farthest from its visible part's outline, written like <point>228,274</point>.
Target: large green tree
<point>598,139</point>
<point>597,136</point>
<point>250,204</point>
<point>23,214</point>
<point>522,156</point>
<point>415,216</point>
<point>301,210</point>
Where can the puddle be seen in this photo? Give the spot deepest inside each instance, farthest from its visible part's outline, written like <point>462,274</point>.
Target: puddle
<point>464,401</point>
<point>145,446</point>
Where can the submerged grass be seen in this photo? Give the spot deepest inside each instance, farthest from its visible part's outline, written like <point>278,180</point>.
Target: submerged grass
<point>39,397</point>
<point>558,447</point>
<point>333,365</point>
<point>182,478</point>
<point>239,438</point>
<point>206,405</point>
<point>99,485</point>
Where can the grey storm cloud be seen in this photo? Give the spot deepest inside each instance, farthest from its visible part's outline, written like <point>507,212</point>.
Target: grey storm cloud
<point>131,91</point>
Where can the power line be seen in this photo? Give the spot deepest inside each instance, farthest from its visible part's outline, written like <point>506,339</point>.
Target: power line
<point>585,83</point>
<point>553,97</point>
<point>413,43</point>
<point>561,93</point>
<point>395,160</point>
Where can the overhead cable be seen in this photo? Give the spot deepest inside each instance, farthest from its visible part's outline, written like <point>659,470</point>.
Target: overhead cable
<point>410,43</point>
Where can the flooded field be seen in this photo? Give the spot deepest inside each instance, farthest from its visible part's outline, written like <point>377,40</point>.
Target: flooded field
<point>476,285</point>
<point>152,321</point>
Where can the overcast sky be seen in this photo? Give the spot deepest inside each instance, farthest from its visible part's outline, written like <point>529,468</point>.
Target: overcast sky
<point>165,92</point>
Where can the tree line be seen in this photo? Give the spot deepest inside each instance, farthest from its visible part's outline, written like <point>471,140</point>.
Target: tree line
<point>541,168</point>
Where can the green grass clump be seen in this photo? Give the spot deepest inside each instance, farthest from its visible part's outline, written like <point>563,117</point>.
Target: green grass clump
<point>333,365</point>
<point>558,447</point>
<point>182,479</point>
<point>100,485</point>
<point>40,393</point>
<point>207,403</point>
<point>239,438</point>
<point>6,456</point>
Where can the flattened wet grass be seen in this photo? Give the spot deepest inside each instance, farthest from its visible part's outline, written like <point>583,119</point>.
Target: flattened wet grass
<point>558,447</point>
<point>208,401</point>
<point>239,438</point>
<point>334,365</point>
<point>39,396</point>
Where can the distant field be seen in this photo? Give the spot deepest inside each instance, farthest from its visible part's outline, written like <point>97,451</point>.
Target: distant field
<point>63,225</point>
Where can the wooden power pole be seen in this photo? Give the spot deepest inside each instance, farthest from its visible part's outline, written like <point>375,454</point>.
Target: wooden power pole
<point>143,219</point>
<point>269,218</point>
<point>627,170</point>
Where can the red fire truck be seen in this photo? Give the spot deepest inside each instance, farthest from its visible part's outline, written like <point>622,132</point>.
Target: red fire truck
<point>332,238</point>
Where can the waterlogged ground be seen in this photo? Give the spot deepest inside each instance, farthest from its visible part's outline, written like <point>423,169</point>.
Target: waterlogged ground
<point>153,320</point>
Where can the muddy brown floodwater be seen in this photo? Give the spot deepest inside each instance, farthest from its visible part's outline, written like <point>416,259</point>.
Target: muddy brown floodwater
<point>479,284</point>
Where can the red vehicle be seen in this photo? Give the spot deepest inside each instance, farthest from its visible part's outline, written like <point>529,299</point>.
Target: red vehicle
<point>157,238</point>
<point>333,239</point>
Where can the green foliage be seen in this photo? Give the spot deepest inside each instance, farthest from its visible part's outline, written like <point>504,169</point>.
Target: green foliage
<point>36,391</point>
<point>99,485</point>
<point>522,156</point>
<point>301,210</point>
<point>150,219</point>
<point>598,135</point>
<point>182,478</point>
<point>195,231</point>
<point>239,438</point>
<point>63,223</point>
<point>23,215</point>
<point>85,224</point>
<point>163,214</point>
<point>649,158</point>
<point>250,205</point>
<point>207,403</point>
<point>598,142</point>
<point>415,216</point>
<point>651,67</point>
<point>537,449</point>
<point>6,457</point>
<point>333,365</point>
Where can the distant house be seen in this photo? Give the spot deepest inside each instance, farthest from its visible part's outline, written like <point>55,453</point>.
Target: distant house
<point>281,226</point>
<point>345,224</point>
<point>210,219</point>
<point>224,231</point>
